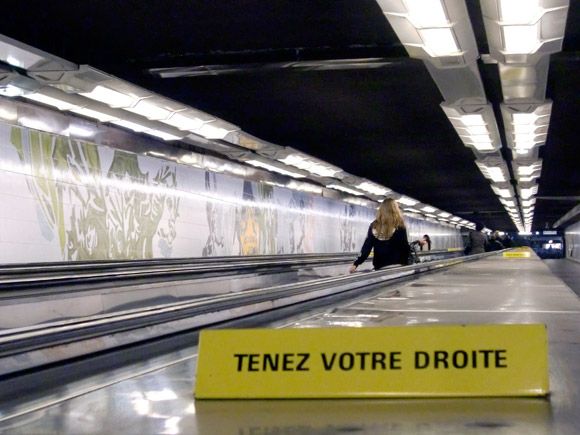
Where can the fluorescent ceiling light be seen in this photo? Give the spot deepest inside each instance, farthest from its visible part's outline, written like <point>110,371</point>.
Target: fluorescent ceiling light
<point>496,173</point>
<point>373,188</point>
<point>405,200</point>
<point>110,97</point>
<point>184,121</point>
<point>522,145</point>
<point>508,203</point>
<point>11,91</point>
<point>90,113</point>
<point>309,165</point>
<point>529,202</point>
<point>35,124</point>
<point>478,130</point>
<point>475,124</point>
<point>519,11</point>
<point>8,112</point>
<point>439,42</point>
<point>521,39</point>
<point>524,128</point>
<point>527,137</point>
<point>444,214</point>
<point>426,13</point>
<point>472,120</point>
<point>524,179</point>
<point>503,192</point>
<point>143,129</point>
<point>75,130</point>
<point>483,146</point>
<point>212,132</point>
<point>45,99</point>
<point>344,189</point>
<point>356,201</point>
<point>432,30</point>
<point>264,165</point>
<point>527,193</point>
<point>161,134</point>
<point>480,139</point>
<point>130,125</point>
<point>304,187</point>
<point>455,219</point>
<point>428,209</point>
<point>149,110</point>
<point>530,118</point>
<point>529,169</point>
<point>18,57</point>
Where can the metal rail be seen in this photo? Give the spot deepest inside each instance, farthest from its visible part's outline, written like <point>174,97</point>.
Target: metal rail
<point>29,347</point>
<point>20,276</point>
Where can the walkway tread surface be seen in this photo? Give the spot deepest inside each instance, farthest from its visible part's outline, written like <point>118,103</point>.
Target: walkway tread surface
<point>568,271</point>
<point>491,290</point>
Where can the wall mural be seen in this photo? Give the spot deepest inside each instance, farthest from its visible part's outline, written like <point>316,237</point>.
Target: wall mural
<point>88,204</point>
<point>83,201</point>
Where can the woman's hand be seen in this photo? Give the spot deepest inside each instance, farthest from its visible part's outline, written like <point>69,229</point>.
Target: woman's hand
<point>352,269</point>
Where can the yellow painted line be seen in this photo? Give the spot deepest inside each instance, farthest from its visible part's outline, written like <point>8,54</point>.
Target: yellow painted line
<point>416,361</point>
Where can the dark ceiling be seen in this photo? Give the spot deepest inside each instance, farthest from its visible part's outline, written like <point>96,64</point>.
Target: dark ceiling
<point>379,120</point>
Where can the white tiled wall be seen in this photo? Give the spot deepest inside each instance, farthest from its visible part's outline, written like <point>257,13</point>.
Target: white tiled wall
<point>572,236</point>
<point>197,214</point>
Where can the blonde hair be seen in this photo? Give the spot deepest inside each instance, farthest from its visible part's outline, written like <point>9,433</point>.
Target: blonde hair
<point>389,218</point>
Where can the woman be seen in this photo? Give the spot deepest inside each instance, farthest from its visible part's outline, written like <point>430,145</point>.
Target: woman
<point>387,235</point>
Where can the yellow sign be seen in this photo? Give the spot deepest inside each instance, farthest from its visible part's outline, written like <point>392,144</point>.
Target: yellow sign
<point>518,253</point>
<point>418,361</point>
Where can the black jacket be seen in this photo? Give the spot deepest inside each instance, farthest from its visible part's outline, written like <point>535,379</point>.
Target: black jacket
<point>494,245</point>
<point>392,251</point>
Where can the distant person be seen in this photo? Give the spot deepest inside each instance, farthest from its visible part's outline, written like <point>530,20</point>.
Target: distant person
<point>425,243</point>
<point>494,243</point>
<point>477,241</point>
<point>387,236</point>
<point>507,241</point>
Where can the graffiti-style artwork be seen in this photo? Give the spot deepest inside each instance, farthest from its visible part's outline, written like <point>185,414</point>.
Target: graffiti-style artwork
<point>348,241</point>
<point>297,229</point>
<point>247,223</point>
<point>98,215</point>
<point>134,214</point>
<point>215,244</point>
<point>267,217</point>
<point>84,201</point>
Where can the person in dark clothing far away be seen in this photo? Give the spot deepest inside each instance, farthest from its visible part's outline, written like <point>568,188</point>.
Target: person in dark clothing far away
<point>494,243</point>
<point>507,241</point>
<point>387,236</point>
<point>477,240</point>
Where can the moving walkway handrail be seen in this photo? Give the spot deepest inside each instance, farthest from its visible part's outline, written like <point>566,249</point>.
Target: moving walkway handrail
<point>191,267</point>
<point>15,277</point>
<point>20,340</point>
<point>63,266</point>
